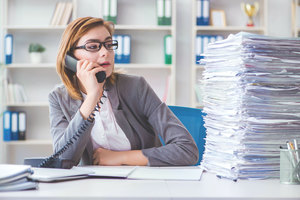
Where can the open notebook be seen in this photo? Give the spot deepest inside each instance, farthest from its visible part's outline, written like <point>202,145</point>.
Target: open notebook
<point>190,173</point>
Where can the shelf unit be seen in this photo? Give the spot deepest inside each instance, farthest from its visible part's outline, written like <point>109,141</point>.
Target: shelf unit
<point>234,24</point>
<point>147,59</point>
<point>295,17</point>
<point>136,18</point>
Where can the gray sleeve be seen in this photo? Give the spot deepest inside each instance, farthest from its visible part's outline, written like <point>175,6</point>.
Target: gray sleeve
<point>180,148</point>
<point>63,129</point>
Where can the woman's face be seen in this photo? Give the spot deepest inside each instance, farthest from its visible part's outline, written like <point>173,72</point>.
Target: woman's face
<point>103,57</point>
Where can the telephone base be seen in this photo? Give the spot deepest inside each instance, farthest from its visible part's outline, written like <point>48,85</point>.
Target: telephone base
<point>35,162</point>
<point>55,163</point>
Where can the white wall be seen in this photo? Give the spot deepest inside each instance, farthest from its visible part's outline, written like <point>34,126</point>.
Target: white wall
<point>279,24</point>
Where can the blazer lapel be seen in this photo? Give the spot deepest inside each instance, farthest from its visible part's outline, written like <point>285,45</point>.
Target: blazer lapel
<point>120,116</point>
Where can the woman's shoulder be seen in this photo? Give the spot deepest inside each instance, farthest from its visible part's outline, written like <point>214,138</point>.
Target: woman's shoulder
<point>59,91</point>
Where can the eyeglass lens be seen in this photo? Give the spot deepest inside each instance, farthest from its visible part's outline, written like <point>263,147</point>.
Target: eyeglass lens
<point>96,46</point>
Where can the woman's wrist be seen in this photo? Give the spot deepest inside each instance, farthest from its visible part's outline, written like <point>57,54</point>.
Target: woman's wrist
<point>88,106</point>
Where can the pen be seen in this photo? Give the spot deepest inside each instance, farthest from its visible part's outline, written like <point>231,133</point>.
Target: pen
<point>296,149</point>
<point>288,144</point>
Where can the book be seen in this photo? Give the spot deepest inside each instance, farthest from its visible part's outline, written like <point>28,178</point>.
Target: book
<point>10,173</point>
<point>67,13</point>
<point>55,13</point>
<point>22,184</point>
<point>54,175</point>
<point>58,13</point>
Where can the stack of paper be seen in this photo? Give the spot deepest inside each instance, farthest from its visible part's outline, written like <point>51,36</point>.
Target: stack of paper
<point>15,177</point>
<point>252,100</point>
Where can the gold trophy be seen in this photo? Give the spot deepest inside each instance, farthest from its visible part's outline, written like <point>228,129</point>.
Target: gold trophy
<point>250,10</point>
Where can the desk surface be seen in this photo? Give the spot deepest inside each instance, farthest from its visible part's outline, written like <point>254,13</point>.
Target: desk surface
<point>210,187</point>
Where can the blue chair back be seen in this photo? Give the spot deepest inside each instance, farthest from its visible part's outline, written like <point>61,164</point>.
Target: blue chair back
<point>192,119</point>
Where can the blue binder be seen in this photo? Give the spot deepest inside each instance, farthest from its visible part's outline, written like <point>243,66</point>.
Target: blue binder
<point>203,12</point>
<point>122,54</point>
<point>119,51</point>
<point>14,126</point>
<point>7,126</point>
<point>8,48</point>
<point>126,49</point>
<point>202,42</point>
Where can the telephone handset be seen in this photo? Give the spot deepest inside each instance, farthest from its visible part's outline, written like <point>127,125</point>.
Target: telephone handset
<point>71,64</point>
<point>54,161</point>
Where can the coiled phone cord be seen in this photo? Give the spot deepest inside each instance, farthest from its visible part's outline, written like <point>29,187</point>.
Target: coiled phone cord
<point>48,161</point>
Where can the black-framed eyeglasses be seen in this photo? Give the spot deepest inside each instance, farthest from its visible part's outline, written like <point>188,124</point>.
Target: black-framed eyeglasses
<point>96,46</point>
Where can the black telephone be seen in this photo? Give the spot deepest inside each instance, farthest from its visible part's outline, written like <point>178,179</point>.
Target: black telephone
<point>53,161</point>
<point>71,64</point>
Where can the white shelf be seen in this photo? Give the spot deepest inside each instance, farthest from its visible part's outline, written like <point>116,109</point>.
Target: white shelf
<point>31,65</point>
<point>29,142</point>
<point>28,104</point>
<point>144,27</point>
<point>229,28</point>
<point>143,66</point>
<point>34,28</point>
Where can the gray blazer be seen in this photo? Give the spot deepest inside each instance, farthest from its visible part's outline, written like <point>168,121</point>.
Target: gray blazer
<point>139,113</point>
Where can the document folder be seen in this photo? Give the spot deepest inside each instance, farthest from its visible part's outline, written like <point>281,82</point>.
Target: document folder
<point>126,49</point>
<point>168,12</point>
<point>14,126</point>
<point>168,49</point>
<point>22,125</point>
<point>203,12</point>
<point>8,48</point>
<point>7,126</point>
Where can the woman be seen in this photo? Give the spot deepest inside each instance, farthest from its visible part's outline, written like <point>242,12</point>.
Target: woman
<point>125,129</point>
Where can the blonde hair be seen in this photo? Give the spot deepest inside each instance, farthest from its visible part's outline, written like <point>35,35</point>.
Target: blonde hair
<point>72,34</point>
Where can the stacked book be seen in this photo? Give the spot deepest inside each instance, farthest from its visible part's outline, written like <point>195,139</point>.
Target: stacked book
<point>62,13</point>
<point>251,99</point>
<point>16,177</point>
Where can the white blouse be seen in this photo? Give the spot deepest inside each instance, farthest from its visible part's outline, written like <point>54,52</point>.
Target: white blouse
<point>106,132</point>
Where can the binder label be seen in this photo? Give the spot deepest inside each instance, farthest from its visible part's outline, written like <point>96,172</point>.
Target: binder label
<point>8,46</point>
<point>168,9</point>
<point>205,9</point>
<point>7,120</point>
<point>14,124</point>
<point>126,45</point>
<point>160,8</point>
<point>168,45</point>
<point>22,121</point>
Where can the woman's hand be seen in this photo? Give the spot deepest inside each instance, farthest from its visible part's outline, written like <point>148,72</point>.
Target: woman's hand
<point>86,73</point>
<point>107,157</point>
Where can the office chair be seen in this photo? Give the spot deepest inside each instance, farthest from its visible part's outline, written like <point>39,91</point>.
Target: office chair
<point>192,119</point>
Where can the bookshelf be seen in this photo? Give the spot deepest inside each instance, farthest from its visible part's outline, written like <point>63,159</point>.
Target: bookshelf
<point>235,22</point>
<point>147,59</point>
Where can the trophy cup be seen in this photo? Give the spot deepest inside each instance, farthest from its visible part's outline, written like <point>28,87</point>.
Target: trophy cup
<point>250,10</point>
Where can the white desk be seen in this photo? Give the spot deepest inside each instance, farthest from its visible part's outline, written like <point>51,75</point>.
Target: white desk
<point>209,187</point>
